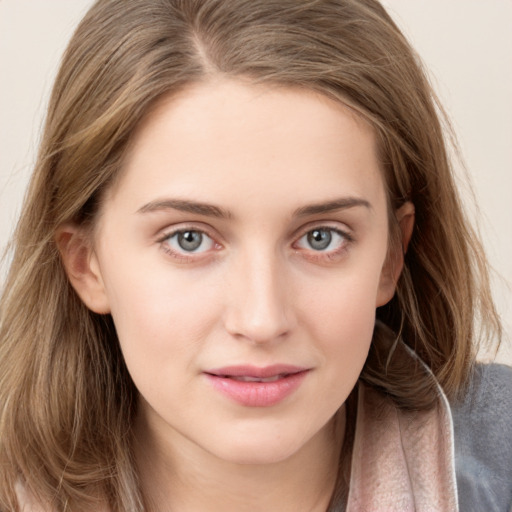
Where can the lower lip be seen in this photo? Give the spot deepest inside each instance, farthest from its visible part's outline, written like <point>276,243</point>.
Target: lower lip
<point>257,394</point>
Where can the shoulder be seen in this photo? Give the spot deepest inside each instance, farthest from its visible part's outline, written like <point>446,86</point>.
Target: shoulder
<point>482,423</point>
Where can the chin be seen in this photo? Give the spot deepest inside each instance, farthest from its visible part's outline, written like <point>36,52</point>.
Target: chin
<point>260,446</point>
<point>257,454</point>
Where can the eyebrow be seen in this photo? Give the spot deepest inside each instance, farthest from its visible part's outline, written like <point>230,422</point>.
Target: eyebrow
<point>211,210</point>
<point>342,203</point>
<point>187,206</point>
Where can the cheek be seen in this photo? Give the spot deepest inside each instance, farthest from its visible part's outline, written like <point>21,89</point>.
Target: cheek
<point>160,316</point>
<point>347,324</point>
<point>344,299</point>
<point>341,317</point>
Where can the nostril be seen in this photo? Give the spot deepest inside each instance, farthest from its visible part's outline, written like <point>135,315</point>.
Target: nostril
<point>258,326</point>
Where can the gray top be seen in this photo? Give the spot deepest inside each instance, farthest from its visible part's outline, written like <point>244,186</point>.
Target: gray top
<point>483,441</point>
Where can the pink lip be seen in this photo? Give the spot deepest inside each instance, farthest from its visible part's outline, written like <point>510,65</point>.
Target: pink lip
<point>285,380</point>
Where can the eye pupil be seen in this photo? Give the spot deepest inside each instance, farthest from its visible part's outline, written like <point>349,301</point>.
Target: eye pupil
<point>319,239</point>
<point>190,240</point>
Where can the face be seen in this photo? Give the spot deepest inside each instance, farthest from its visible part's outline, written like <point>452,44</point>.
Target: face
<point>242,255</point>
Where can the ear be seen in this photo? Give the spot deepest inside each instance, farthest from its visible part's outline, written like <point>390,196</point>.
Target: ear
<point>394,263</point>
<point>82,267</point>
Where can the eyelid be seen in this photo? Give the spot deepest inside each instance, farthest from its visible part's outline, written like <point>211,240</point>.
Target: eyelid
<point>168,232</point>
<point>339,227</point>
<point>324,256</point>
<point>338,231</point>
<point>187,257</point>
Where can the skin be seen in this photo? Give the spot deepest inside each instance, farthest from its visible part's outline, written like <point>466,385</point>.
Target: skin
<point>254,292</point>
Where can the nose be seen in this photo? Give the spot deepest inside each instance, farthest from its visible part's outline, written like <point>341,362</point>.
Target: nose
<point>259,306</point>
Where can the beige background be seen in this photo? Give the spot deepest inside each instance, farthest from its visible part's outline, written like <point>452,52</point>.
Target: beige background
<point>466,44</point>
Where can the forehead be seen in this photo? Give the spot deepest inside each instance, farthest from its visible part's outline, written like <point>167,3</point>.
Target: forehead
<point>225,138</point>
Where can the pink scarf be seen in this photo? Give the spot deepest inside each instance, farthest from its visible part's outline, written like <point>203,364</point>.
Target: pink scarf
<point>402,461</point>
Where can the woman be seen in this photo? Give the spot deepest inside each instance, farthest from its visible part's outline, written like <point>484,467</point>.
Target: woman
<point>242,278</point>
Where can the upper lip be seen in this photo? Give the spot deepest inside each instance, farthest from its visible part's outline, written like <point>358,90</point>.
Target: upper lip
<point>255,371</point>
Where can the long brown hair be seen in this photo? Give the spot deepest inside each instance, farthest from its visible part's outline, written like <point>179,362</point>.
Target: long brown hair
<point>66,398</point>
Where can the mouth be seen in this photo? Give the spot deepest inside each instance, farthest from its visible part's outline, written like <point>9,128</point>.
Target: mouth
<point>257,387</point>
<point>248,378</point>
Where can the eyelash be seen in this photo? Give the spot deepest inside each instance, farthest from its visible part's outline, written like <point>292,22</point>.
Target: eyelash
<point>313,255</point>
<point>185,257</point>
<point>327,255</point>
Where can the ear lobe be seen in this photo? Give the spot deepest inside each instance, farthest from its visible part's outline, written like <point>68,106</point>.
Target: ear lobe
<point>394,263</point>
<point>82,268</point>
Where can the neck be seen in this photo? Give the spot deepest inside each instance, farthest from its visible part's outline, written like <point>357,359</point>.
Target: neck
<point>183,477</point>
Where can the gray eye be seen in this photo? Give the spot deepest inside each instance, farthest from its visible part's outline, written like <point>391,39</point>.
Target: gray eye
<point>189,240</point>
<point>319,239</point>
